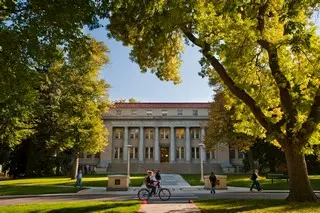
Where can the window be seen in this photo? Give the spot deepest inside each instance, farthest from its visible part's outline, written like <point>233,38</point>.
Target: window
<point>117,153</point>
<point>195,133</point>
<point>179,133</point>
<point>89,156</point>
<point>118,133</point>
<point>148,153</point>
<point>134,112</point>
<point>211,154</point>
<point>179,112</point>
<point>118,112</point>
<point>195,112</point>
<point>164,112</point>
<point>195,153</point>
<point>240,155</point>
<point>180,152</point>
<point>149,133</point>
<point>97,155</point>
<point>149,112</point>
<point>232,153</point>
<point>134,152</point>
<point>134,133</point>
<point>164,133</point>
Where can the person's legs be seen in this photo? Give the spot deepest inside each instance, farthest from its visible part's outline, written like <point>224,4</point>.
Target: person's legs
<point>80,183</point>
<point>258,186</point>
<point>252,186</point>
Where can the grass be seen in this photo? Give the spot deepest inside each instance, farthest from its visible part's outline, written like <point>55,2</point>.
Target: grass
<point>255,206</point>
<point>51,185</point>
<point>244,181</point>
<point>74,207</point>
<point>266,184</point>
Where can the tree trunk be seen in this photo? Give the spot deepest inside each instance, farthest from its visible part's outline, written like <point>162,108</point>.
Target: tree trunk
<point>300,189</point>
<point>75,166</point>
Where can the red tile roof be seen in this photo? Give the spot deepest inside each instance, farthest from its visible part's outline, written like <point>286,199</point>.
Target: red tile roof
<point>163,105</point>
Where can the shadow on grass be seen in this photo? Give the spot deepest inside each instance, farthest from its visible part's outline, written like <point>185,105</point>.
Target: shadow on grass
<point>93,208</point>
<point>255,205</point>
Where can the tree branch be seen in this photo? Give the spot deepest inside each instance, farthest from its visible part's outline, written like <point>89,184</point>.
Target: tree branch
<point>310,125</point>
<point>237,91</point>
<point>282,83</point>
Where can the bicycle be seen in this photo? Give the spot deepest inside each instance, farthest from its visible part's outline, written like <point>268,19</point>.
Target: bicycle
<point>163,193</point>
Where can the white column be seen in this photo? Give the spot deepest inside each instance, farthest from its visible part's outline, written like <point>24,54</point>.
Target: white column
<point>156,150</point>
<point>188,145</point>
<point>141,146</point>
<point>125,143</point>
<point>172,145</point>
<point>204,148</point>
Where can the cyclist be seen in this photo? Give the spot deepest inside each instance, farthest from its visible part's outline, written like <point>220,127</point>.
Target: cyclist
<point>150,182</point>
<point>158,178</point>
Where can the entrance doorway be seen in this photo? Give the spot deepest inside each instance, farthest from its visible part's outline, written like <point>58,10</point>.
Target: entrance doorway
<point>164,155</point>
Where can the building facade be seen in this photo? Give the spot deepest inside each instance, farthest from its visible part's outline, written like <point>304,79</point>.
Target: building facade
<point>163,136</point>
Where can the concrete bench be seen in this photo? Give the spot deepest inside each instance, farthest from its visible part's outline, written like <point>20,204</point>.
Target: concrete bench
<point>276,176</point>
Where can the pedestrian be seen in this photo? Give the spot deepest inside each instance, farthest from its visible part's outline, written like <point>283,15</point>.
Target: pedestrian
<point>79,179</point>
<point>150,182</point>
<point>254,178</point>
<point>86,169</point>
<point>213,181</point>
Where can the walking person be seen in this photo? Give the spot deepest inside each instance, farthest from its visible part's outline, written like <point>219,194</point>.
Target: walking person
<point>254,178</point>
<point>213,181</point>
<point>79,179</point>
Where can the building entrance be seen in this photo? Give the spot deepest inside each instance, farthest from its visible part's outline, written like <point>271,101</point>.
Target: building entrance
<point>164,154</point>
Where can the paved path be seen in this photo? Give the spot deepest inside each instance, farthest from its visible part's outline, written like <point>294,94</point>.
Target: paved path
<point>181,193</point>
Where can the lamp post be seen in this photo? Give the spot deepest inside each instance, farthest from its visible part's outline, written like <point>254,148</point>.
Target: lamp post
<point>128,168</point>
<point>201,145</point>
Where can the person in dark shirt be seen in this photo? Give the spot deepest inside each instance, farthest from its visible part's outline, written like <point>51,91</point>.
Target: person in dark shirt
<point>158,177</point>
<point>150,182</point>
<point>213,181</point>
<point>254,178</point>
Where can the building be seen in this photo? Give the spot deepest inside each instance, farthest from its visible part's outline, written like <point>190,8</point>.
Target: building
<point>163,136</point>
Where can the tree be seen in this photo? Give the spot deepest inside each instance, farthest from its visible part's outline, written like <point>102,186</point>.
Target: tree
<point>30,33</point>
<point>265,54</point>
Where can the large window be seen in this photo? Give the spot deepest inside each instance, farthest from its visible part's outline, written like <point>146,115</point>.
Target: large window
<point>164,133</point>
<point>149,133</point>
<point>179,112</point>
<point>148,153</point>
<point>180,133</point>
<point>211,154</point>
<point>195,152</point>
<point>134,133</point>
<point>134,152</point>
<point>118,133</point>
<point>97,155</point>
<point>195,112</point>
<point>164,112</point>
<point>195,133</point>
<point>240,155</point>
<point>118,153</point>
<point>149,112</point>
<point>180,152</point>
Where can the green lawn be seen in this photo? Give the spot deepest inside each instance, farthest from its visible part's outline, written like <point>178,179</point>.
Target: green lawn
<point>50,185</point>
<point>244,181</point>
<point>255,206</point>
<point>74,207</point>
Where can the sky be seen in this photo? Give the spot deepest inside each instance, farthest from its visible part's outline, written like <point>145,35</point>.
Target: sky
<point>127,81</point>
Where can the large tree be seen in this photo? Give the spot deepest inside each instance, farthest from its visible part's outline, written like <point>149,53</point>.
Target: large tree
<point>264,52</point>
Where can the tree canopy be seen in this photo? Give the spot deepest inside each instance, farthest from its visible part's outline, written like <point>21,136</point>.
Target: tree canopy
<point>264,53</point>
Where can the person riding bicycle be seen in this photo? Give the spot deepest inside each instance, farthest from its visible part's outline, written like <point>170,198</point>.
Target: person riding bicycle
<point>158,178</point>
<point>150,182</point>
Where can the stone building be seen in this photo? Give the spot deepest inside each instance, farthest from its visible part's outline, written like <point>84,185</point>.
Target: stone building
<point>163,136</point>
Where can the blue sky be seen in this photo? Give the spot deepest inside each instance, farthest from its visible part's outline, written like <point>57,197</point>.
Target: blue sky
<point>127,81</point>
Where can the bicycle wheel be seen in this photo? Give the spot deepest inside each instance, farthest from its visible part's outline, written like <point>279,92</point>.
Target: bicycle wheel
<point>143,194</point>
<point>164,194</point>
